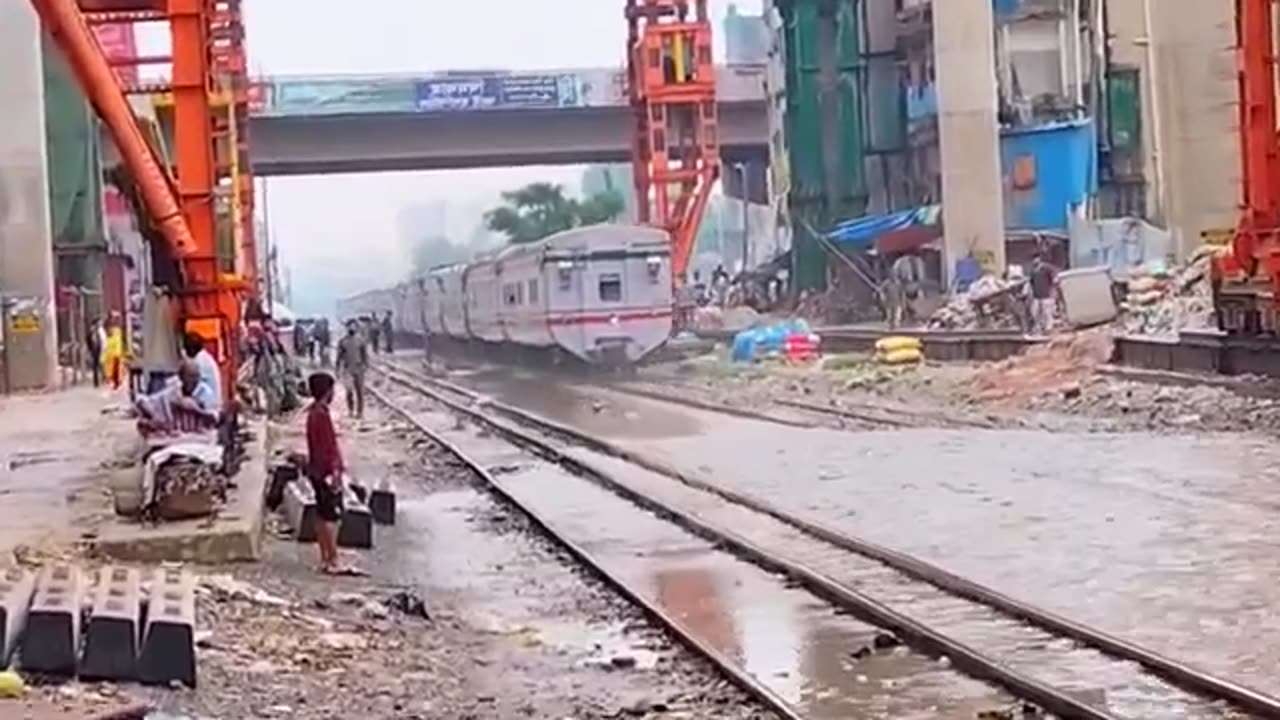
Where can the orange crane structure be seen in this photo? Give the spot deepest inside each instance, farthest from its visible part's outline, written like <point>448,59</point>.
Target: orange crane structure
<point>202,207</point>
<point>676,148</point>
<point>1246,279</point>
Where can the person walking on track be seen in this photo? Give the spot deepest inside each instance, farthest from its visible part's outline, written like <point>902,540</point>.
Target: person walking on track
<point>351,363</point>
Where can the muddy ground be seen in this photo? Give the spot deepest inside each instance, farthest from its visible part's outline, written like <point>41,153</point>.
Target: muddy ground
<point>510,627</point>
<point>1066,385</point>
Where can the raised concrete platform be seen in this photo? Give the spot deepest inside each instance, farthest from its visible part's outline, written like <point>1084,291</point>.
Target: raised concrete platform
<point>233,535</point>
<point>58,453</point>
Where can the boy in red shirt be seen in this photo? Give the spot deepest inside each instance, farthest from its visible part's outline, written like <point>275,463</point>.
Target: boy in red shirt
<point>324,470</point>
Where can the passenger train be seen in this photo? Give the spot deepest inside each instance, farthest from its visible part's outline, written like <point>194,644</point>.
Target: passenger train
<point>602,294</point>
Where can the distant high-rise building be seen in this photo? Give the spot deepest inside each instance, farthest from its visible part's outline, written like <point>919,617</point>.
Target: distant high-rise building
<point>746,38</point>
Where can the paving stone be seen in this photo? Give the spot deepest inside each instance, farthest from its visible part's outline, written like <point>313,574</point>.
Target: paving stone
<point>16,588</point>
<point>168,641</point>
<point>382,503</point>
<point>51,643</point>
<point>115,624</point>
<point>356,528</point>
<point>300,511</point>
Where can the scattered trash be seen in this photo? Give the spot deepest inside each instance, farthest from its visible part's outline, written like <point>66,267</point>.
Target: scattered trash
<point>228,587</point>
<point>408,603</point>
<point>12,686</point>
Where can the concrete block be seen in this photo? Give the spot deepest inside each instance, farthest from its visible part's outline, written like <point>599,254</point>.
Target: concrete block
<point>356,528</point>
<point>382,503</point>
<point>282,474</point>
<point>169,637</point>
<point>51,643</point>
<point>115,624</point>
<point>300,511</point>
<point>16,589</point>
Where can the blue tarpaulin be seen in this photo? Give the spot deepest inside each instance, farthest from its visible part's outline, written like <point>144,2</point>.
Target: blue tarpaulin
<point>860,233</point>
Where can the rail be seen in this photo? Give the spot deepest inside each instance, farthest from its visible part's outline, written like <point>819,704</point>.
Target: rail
<point>1176,672</point>
<point>739,677</point>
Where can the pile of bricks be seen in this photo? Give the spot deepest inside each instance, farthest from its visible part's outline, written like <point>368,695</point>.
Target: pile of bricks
<point>127,631</point>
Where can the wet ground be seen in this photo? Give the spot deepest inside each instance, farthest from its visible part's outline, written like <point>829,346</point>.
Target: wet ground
<point>1164,539</point>
<point>52,447</point>
<point>820,662</point>
<point>515,629</point>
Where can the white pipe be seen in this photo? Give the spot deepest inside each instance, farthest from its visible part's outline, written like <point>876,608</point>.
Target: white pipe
<point>1154,114</point>
<point>1079,53</point>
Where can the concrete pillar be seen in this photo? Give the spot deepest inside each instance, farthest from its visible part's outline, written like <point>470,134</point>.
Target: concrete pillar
<point>26,247</point>
<point>969,133</point>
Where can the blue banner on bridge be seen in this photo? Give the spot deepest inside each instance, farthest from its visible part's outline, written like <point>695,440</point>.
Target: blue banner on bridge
<point>502,92</point>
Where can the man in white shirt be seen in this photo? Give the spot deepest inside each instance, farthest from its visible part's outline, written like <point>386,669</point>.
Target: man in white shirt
<point>193,346</point>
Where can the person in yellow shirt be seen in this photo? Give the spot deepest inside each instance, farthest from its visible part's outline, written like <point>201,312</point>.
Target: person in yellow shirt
<point>113,353</point>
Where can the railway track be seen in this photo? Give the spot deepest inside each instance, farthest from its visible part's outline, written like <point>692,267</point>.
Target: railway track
<point>1064,667</point>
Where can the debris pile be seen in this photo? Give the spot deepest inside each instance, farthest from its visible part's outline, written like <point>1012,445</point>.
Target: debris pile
<point>1058,366</point>
<point>990,303</point>
<point>1163,301</point>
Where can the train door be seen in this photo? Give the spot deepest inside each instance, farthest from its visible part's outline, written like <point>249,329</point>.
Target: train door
<point>610,290</point>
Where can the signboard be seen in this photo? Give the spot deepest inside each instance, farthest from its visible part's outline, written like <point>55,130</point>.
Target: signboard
<point>118,43</point>
<point>505,92</point>
<point>24,324</point>
<point>342,97</point>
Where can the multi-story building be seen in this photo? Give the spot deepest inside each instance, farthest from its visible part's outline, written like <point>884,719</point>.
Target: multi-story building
<point>1049,73</point>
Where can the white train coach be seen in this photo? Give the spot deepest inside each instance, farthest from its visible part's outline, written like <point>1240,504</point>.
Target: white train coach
<point>602,294</point>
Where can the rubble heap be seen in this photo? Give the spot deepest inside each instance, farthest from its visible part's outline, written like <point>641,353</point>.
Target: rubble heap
<point>1059,365</point>
<point>974,308</point>
<point>1163,301</point>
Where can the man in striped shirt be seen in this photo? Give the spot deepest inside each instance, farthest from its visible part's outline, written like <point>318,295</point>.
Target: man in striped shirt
<point>186,405</point>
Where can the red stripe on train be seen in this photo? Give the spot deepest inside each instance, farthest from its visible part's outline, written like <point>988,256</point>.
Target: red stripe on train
<point>608,318</point>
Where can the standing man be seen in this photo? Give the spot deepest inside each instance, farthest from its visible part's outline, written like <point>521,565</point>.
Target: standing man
<point>907,276</point>
<point>324,471</point>
<point>351,363</point>
<point>1044,284</point>
<point>386,333</point>
<point>373,327</point>
<point>323,340</point>
<point>96,342</point>
<point>193,347</point>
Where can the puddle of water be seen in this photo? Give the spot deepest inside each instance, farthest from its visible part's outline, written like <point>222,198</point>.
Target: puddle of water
<point>608,414</point>
<point>816,659</point>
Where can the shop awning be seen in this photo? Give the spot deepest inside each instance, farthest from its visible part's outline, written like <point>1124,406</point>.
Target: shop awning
<point>880,231</point>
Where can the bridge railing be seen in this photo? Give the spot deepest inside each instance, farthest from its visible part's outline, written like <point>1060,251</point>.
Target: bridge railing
<point>467,91</point>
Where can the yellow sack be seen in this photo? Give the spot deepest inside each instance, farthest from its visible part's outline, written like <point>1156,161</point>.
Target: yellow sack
<point>898,342</point>
<point>905,356</point>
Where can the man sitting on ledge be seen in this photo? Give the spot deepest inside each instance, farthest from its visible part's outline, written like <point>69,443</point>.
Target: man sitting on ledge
<point>186,405</point>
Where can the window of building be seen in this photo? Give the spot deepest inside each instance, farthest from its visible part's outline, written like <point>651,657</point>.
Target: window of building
<point>611,288</point>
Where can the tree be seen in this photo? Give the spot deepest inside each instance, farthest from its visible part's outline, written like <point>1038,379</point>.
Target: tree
<point>541,209</point>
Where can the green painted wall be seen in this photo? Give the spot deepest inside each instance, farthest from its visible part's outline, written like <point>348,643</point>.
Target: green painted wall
<point>75,175</point>
<point>825,127</point>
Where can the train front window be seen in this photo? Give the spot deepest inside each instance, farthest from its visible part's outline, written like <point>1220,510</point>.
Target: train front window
<point>611,288</point>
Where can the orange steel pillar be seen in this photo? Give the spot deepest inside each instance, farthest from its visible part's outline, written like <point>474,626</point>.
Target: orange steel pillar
<point>209,195</point>
<point>672,84</point>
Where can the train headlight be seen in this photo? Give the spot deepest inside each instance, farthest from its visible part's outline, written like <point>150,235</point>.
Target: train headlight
<point>613,320</point>
<point>655,268</point>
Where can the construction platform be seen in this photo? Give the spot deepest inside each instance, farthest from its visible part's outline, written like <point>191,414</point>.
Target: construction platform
<point>59,452</point>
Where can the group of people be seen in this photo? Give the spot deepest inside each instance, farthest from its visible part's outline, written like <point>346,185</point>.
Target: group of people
<point>313,341</point>
<point>106,351</point>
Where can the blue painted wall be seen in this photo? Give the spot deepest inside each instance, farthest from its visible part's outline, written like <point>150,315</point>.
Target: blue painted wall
<point>1047,170</point>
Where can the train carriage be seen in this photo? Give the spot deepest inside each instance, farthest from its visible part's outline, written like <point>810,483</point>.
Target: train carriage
<point>609,292</point>
<point>602,294</point>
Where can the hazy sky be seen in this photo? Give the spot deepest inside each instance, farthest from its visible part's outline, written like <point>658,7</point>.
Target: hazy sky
<point>343,232</point>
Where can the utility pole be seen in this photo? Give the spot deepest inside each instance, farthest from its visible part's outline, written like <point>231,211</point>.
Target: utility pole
<point>746,217</point>
<point>969,134</point>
